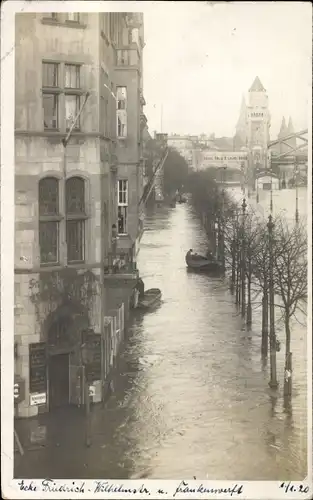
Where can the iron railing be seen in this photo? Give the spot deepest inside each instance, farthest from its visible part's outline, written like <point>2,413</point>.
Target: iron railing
<point>121,262</point>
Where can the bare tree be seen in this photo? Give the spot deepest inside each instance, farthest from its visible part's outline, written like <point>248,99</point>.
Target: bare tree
<point>290,268</point>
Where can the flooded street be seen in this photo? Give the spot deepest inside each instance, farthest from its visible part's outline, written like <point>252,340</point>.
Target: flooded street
<point>192,396</point>
<point>200,399</point>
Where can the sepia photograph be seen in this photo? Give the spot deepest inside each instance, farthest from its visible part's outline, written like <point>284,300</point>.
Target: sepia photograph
<point>159,271</point>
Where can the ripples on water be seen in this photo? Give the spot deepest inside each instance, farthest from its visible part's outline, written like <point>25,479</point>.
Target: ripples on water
<point>199,403</point>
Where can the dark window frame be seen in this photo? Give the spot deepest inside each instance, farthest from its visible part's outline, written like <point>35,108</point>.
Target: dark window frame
<point>78,76</point>
<point>76,219</point>
<point>49,217</point>
<point>59,94</point>
<point>56,65</point>
<point>122,206</point>
<point>56,105</point>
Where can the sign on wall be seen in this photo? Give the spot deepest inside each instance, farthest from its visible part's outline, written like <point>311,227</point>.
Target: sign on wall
<point>37,368</point>
<point>93,341</point>
<point>231,160</point>
<point>38,399</point>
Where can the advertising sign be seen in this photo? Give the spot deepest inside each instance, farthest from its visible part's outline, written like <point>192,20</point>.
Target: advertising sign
<point>38,399</point>
<point>37,368</point>
<point>231,160</point>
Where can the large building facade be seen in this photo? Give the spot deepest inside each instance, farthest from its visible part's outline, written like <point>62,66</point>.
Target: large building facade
<point>78,179</point>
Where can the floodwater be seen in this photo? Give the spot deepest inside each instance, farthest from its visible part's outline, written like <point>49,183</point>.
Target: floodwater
<point>191,397</point>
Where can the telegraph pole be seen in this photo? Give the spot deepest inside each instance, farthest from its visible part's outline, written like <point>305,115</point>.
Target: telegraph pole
<point>243,262</point>
<point>297,199</point>
<point>264,345</point>
<point>223,220</point>
<point>273,381</point>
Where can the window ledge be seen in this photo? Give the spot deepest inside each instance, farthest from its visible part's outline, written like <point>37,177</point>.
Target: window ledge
<point>66,24</point>
<point>44,265</point>
<point>61,135</point>
<point>73,91</point>
<point>51,90</point>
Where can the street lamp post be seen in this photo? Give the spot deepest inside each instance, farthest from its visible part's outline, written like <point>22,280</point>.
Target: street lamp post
<point>243,262</point>
<point>273,344</point>
<point>271,200</point>
<point>297,199</point>
<point>222,219</point>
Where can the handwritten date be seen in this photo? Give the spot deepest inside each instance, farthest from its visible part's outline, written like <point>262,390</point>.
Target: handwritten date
<point>288,487</point>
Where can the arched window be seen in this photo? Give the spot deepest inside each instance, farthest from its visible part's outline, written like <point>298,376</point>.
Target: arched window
<point>48,196</point>
<point>49,219</point>
<point>75,219</point>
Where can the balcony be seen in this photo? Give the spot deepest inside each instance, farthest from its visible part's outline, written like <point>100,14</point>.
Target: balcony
<point>120,269</point>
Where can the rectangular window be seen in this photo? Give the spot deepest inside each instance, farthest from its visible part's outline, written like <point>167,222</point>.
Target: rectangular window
<point>122,206</point>
<point>121,112</point>
<point>121,125</point>
<point>50,111</point>
<point>72,17</point>
<point>121,95</point>
<point>72,76</point>
<point>49,74</point>
<point>75,240</point>
<point>71,111</point>
<point>123,192</point>
<point>48,242</point>
<point>135,35</point>
<point>122,220</point>
<point>122,57</point>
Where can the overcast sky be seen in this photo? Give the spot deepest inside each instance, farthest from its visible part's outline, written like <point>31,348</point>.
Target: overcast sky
<point>200,59</point>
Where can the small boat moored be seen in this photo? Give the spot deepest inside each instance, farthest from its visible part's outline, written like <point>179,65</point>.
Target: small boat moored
<point>200,263</point>
<point>150,298</point>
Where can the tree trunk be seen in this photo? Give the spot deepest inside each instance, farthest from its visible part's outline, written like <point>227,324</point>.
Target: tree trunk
<point>249,305</point>
<point>288,358</point>
<point>238,283</point>
<point>233,268</point>
<point>264,345</point>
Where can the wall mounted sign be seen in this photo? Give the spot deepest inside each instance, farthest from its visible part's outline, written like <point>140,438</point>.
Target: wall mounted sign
<point>93,342</point>
<point>37,368</point>
<point>37,399</point>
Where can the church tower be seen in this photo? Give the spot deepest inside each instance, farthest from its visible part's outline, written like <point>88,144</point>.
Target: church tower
<point>240,138</point>
<point>283,148</point>
<point>258,124</point>
<point>290,130</point>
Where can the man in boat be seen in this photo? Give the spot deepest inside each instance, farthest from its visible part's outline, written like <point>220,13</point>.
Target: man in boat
<point>209,255</point>
<point>140,286</point>
<point>191,253</point>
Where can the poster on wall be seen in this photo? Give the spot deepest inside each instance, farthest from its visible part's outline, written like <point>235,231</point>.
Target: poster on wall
<point>37,368</point>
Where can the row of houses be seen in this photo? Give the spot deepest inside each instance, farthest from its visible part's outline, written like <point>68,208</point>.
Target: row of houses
<point>79,174</point>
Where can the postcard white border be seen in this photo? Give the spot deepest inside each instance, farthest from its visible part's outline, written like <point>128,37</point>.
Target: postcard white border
<point>251,489</point>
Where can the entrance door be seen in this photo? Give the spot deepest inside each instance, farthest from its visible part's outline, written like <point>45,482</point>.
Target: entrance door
<point>58,380</point>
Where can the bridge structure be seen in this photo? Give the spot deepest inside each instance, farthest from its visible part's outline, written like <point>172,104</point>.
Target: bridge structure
<point>293,161</point>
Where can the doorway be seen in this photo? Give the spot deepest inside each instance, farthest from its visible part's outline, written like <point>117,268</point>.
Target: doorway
<point>58,380</point>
